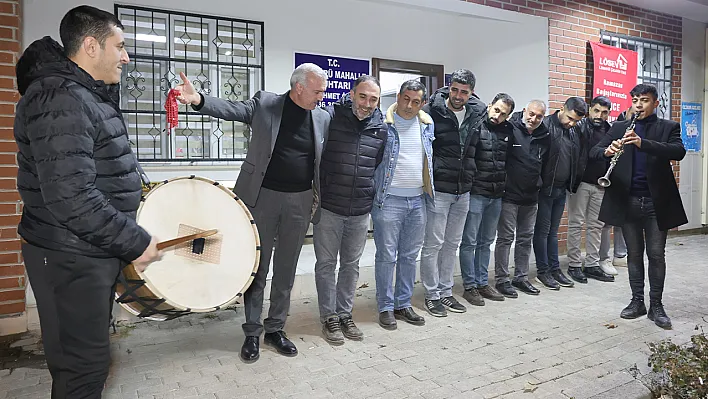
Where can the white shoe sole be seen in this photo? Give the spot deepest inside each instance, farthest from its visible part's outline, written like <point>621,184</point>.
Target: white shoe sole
<point>449,309</point>
<point>609,269</point>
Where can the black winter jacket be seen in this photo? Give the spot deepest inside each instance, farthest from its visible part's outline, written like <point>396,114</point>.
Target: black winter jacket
<point>490,157</point>
<point>453,161</point>
<point>662,144</point>
<point>578,155</point>
<point>524,162</point>
<point>590,136</point>
<point>353,150</point>
<point>77,173</point>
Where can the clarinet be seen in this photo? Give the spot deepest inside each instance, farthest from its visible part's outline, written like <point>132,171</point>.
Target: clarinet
<point>604,181</point>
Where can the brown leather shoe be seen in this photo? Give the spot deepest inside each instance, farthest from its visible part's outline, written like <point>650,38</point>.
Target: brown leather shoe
<point>490,293</point>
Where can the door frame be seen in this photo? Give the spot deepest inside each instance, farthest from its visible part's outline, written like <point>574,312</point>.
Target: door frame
<point>434,73</point>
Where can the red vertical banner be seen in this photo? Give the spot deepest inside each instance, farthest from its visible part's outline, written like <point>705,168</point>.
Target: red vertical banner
<point>615,75</point>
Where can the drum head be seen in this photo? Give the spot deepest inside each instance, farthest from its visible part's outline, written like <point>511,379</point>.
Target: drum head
<point>215,276</point>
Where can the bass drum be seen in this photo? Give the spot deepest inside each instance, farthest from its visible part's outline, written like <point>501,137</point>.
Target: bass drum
<point>190,278</point>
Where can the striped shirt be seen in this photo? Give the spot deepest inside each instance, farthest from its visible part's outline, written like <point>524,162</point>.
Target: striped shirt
<point>407,179</point>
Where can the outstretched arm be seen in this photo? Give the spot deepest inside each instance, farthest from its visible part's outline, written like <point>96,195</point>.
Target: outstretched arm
<point>240,111</point>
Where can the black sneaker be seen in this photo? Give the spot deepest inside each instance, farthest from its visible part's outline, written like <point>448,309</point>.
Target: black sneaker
<point>658,315</point>
<point>598,274</point>
<point>548,281</point>
<point>409,316</point>
<point>562,279</point>
<point>636,308</point>
<point>577,274</point>
<point>472,296</point>
<point>525,287</point>
<point>435,308</point>
<point>507,290</point>
<point>350,330</point>
<point>453,305</point>
<point>332,331</point>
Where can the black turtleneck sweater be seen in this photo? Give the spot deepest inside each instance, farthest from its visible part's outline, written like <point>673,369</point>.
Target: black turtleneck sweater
<point>640,187</point>
<point>292,165</point>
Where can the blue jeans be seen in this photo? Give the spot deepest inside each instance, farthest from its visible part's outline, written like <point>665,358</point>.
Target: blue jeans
<point>399,228</point>
<point>478,236</point>
<point>545,235</point>
<point>620,250</point>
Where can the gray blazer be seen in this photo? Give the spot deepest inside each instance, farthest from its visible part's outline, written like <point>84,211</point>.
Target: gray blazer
<point>263,113</point>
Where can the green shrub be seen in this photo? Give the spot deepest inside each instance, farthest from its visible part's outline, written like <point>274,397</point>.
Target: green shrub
<point>683,368</point>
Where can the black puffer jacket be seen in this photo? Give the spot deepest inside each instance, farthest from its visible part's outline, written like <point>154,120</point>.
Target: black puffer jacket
<point>494,142</point>
<point>578,155</point>
<point>524,162</point>
<point>353,150</point>
<point>453,160</point>
<point>77,173</point>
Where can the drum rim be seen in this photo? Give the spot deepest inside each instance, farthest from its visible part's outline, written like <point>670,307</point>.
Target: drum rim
<point>256,262</point>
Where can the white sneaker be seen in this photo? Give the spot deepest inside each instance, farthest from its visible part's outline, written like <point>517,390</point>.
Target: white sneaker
<point>620,262</point>
<point>606,266</point>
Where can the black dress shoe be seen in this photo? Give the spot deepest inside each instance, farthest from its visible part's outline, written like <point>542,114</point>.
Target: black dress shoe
<point>507,290</point>
<point>636,308</point>
<point>387,321</point>
<point>250,350</point>
<point>281,343</point>
<point>658,315</point>
<point>577,274</point>
<point>598,274</point>
<point>548,281</point>
<point>409,316</point>
<point>525,287</point>
<point>562,279</point>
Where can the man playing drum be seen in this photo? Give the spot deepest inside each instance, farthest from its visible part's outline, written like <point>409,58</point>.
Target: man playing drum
<point>77,178</point>
<point>279,181</point>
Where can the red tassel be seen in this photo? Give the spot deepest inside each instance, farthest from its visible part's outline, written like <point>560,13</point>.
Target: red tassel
<point>172,108</point>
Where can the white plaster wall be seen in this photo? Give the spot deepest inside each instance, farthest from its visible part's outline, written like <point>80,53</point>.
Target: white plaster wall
<point>693,72</point>
<point>507,51</point>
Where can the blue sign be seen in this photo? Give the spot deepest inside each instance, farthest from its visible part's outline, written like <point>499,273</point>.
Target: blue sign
<point>342,73</point>
<point>691,125</point>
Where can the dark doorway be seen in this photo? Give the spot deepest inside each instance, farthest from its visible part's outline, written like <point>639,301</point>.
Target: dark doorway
<point>393,73</point>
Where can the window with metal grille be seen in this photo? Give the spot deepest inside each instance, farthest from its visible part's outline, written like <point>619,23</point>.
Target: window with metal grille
<point>223,57</point>
<point>654,66</point>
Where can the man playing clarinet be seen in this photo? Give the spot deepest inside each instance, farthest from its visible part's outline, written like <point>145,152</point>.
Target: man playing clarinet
<point>643,196</point>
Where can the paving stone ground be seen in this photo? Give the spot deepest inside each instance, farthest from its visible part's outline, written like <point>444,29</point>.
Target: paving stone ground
<point>556,345</point>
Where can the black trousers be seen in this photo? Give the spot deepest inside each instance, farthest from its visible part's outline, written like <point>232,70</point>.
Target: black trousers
<point>641,232</point>
<point>74,296</point>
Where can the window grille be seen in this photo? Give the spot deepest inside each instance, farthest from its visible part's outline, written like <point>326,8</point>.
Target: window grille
<point>654,65</point>
<point>223,57</point>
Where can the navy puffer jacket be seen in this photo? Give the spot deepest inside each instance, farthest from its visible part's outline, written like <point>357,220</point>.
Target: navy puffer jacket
<point>353,150</point>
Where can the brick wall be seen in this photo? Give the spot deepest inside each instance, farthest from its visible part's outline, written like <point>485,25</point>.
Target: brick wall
<point>571,24</point>
<point>12,272</point>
